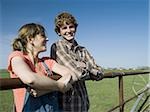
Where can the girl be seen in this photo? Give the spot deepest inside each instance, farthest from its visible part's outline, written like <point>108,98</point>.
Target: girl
<point>35,72</point>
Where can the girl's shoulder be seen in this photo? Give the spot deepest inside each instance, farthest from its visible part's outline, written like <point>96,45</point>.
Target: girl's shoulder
<point>12,55</point>
<point>16,53</point>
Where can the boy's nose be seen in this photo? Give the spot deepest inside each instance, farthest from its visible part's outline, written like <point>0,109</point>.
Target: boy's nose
<point>68,29</point>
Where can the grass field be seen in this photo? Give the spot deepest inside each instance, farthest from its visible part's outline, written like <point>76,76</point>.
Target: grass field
<point>103,94</point>
<point>6,99</point>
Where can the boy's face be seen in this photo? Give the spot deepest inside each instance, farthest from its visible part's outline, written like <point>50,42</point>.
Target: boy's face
<point>67,31</point>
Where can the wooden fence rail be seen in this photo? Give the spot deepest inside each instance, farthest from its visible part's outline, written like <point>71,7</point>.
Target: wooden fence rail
<point>13,83</point>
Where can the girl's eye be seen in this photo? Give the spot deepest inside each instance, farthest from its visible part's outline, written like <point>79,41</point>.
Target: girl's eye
<point>43,36</point>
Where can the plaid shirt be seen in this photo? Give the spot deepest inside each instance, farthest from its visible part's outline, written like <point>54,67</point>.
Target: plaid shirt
<point>76,99</point>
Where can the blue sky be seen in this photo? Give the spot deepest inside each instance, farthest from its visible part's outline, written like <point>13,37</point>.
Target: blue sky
<point>114,31</point>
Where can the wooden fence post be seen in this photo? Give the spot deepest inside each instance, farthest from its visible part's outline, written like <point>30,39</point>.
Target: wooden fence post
<point>121,99</point>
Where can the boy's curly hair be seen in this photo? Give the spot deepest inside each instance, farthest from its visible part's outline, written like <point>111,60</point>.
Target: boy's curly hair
<point>64,18</point>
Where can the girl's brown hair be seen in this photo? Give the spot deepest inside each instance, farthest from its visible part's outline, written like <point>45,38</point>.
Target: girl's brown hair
<point>26,32</point>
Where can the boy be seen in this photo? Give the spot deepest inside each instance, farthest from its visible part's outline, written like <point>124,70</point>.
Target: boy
<point>69,53</point>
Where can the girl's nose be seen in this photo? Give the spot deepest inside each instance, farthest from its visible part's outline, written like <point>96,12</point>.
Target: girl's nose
<point>47,39</point>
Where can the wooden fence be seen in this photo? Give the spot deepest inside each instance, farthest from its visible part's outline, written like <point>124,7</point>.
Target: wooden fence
<point>13,83</point>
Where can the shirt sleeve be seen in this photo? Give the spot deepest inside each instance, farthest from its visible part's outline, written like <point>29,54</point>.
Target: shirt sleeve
<point>95,71</point>
<point>53,51</point>
<point>91,62</point>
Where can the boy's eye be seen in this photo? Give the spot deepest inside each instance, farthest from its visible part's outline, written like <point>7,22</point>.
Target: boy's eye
<point>68,26</point>
<point>72,26</point>
<point>64,28</point>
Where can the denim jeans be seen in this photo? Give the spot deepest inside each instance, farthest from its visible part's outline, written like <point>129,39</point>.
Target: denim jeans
<point>45,103</point>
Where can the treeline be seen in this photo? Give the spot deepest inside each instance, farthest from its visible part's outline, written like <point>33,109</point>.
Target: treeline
<point>107,69</point>
<point>3,70</point>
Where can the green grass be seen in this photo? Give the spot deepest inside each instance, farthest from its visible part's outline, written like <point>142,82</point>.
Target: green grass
<point>6,99</point>
<point>103,94</point>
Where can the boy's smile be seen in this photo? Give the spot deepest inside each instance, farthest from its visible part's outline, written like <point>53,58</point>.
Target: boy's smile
<point>68,31</point>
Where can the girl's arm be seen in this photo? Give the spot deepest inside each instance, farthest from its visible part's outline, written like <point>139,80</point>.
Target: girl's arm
<point>34,80</point>
<point>65,72</point>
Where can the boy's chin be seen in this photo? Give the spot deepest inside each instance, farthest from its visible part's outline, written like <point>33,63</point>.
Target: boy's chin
<point>70,39</point>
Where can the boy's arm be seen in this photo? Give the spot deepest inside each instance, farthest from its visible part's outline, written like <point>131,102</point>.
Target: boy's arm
<point>95,71</point>
<point>65,59</point>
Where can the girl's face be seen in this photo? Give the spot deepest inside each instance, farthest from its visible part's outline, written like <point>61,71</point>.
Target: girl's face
<point>67,31</point>
<point>39,43</point>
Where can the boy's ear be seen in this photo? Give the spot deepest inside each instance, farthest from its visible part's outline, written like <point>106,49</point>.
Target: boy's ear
<point>59,34</point>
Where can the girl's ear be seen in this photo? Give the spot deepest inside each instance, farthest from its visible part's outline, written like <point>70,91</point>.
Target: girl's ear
<point>30,40</point>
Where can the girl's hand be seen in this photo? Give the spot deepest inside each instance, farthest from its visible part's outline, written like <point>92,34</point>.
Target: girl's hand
<point>63,87</point>
<point>37,93</point>
<point>32,92</point>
